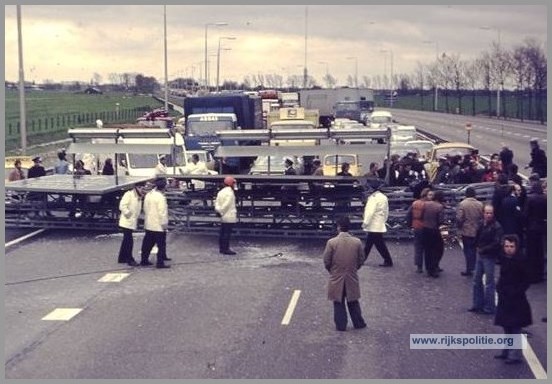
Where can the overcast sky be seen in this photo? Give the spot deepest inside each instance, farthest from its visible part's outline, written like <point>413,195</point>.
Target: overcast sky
<point>72,42</point>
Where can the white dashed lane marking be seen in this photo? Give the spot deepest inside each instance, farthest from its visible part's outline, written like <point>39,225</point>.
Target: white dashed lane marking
<point>291,307</point>
<point>62,314</point>
<point>113,277</point>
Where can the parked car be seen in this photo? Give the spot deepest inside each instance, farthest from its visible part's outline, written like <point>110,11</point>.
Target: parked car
<point>274,165</point>
<point>332,164</point>
<point>424,147</point>
<point>445,150</point>
<point>403,133</point>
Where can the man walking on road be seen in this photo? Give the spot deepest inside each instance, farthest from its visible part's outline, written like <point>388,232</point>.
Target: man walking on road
<point>538,159</point>
<point>375,217</point>
<point>343,256</point>
<point>130,207</point>
<point>468,217</point>
<point>156,221</point>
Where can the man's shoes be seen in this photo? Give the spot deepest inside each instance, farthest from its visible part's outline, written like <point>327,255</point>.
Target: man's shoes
<point>228,252</point>
<point>466,273</point>
<point>439,269</point>
<point>340,329</point>
<point>162,266</point>
<point>121,261</point>
<point>475,310</point>
<point>145,263</point>
<point>132,263</point>
<point>167,258</point>
<point>432,274</point>
<point>386,265</point>
<point>360,326</point>
<point>420,270</point>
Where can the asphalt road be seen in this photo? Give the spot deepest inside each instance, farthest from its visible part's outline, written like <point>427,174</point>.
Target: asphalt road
<point>214,316</point>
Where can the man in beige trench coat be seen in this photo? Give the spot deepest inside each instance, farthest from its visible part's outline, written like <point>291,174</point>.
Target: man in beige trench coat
<point>343,256</point>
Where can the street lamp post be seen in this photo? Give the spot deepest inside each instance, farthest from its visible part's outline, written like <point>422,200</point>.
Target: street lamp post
<point>487,28</point>
<point>356,68</point>
<point>207,25</point>
<point>435,104</point>
<point>391,75</point>
<point>218,56</point>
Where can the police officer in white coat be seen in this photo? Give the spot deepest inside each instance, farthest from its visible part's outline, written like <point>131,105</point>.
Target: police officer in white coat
<point>130,207</point>
<point>156,221</point>
<point>376,212</point>
<point>225,206</point>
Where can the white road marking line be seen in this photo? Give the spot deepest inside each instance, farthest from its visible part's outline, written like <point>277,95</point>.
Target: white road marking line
<point>22,238</point>
<point>291,307</point>
<point>113,277</point>
<point>63,314</point>
<point>534,363</point>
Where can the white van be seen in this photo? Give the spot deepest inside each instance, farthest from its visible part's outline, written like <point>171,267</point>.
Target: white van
<point>379,118</point>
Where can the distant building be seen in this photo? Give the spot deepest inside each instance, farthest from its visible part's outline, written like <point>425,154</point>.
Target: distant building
<point>93,91</point>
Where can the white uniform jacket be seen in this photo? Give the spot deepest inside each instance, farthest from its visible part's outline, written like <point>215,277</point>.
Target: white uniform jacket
<point>130,207</point>
<point>376,212</point>
<point>225,205</point>
<point>156,213</point>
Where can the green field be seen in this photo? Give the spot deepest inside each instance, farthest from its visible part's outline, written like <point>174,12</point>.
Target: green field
<point>50,114</point>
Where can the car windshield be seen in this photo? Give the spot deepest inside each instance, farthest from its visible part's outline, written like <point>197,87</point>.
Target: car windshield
<point>347,106</point>
<point>339,159</point>
<point>380,119</point>
<point>451,152</point>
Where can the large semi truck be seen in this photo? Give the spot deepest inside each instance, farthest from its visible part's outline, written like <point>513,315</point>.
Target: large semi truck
<point>326,101</point>
<point>247,108</point>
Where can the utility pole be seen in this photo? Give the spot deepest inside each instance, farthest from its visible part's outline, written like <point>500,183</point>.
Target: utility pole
<point>22,112</point>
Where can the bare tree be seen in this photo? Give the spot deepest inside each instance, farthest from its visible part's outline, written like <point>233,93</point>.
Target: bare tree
<point>537,63</point>
<point>521,74</point>
<point>330,80</point>
<point>472,72</point>
<point>96,78</point>
<point>419,79</point>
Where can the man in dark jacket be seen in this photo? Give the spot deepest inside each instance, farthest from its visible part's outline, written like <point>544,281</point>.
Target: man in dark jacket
<point>343,256</point>
<point>37,170</point>
<point>506,157</point>
<point>513,311</point>
<point>534,218</point>
<point>538,158</point>
<point>487,242</point>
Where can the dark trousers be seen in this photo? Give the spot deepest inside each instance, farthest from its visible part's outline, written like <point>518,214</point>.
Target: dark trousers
<point>376,238</point>
<point>535,255</point>
<point>125,252</point>
<point>418,248</point>
<point>510,353</point>
<point>155,238</point>
<point>224,236</point>
<point>340,313</point>
<point>433,249</point>
<point>469,252</point>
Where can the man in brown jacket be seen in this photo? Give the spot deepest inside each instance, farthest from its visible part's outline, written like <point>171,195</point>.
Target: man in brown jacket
<point>343,256</point>
<point>469,216</point>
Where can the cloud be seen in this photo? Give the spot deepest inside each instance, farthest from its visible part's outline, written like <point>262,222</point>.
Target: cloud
<point>68,41</point>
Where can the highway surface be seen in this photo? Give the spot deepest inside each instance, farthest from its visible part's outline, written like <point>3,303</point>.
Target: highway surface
<point>260,314</point>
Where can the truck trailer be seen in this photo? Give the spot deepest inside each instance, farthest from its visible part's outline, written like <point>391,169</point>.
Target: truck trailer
<point>326,100</point>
